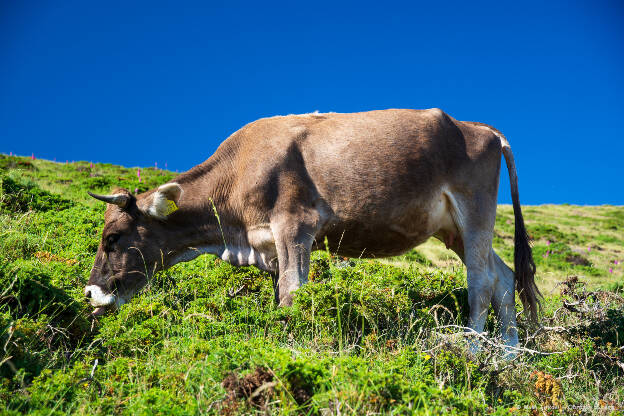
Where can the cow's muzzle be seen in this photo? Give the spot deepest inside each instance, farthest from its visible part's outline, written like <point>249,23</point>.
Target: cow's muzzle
<point>100,300</point>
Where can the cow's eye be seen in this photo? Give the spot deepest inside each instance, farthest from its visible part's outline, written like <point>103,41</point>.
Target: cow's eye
<point>111,240</point>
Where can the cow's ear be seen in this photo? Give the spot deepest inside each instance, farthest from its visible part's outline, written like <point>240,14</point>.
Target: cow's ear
<point>164,201</point>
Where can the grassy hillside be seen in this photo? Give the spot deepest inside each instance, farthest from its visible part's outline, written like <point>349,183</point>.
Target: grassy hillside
<point>364,336</point>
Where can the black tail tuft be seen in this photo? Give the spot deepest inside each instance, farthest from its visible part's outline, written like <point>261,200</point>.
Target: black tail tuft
<point>525,267</point>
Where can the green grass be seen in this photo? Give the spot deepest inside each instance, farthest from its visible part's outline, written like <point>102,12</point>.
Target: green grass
<point>364,336</point>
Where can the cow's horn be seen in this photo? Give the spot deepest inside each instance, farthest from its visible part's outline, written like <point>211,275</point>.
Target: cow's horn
<point>120,200</point>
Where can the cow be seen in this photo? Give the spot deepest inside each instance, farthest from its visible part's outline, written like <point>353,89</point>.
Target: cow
<point>372,184</point>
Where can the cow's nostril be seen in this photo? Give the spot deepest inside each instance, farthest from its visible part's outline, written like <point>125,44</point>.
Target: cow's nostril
<point>88,294</point>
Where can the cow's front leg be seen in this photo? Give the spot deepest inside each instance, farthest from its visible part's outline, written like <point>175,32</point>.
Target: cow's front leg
<point>293,242</point>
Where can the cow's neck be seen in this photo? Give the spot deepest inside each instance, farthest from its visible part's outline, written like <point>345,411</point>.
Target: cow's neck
<point>211,223</point>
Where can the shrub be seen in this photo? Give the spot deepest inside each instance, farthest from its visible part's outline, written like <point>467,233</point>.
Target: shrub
<point>18,196</point>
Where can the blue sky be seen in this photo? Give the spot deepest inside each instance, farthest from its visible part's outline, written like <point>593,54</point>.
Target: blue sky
<point>134,83</point>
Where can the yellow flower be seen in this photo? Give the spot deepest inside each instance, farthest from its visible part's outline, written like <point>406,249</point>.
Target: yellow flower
<point>427,357</point>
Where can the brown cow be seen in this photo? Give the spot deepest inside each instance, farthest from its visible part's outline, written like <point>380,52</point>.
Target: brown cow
<point>374,184</point>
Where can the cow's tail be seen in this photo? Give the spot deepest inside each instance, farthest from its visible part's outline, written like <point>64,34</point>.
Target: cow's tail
<point>523,257</point>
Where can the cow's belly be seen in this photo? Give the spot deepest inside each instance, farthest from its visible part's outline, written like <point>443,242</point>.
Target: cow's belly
<point>361,240</point>
<point>388,235</point>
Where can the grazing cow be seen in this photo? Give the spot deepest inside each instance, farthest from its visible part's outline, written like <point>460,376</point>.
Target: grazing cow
<point>375,184</point>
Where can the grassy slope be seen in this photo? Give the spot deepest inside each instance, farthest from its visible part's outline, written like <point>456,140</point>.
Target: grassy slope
<point>363,336</point>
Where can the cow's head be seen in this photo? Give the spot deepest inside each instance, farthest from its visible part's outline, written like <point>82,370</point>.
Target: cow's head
<point>130,249</point>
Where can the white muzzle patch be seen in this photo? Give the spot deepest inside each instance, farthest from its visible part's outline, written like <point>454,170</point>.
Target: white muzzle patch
<point>99,298</point>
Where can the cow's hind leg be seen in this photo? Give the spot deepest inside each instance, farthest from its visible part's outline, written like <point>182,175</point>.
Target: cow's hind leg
<point>503,301</point>
<point>490,280</point>
<point>474,220</point>
<point>481,278</point>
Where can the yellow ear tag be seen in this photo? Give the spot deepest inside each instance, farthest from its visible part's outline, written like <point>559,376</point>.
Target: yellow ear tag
<point>171,207</point>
